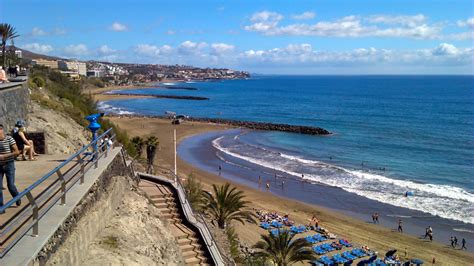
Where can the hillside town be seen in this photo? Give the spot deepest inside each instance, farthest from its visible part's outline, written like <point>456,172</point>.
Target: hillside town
<point>130,74</point>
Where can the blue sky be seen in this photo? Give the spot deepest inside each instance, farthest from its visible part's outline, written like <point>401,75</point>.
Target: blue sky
<point>280,37</point>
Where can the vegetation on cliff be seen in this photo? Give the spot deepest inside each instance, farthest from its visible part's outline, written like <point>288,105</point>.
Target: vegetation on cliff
<point>53,90</point>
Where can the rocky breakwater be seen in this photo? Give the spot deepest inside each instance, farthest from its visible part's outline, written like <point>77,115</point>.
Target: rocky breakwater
<point>308,130</point>
<point>179,97</point>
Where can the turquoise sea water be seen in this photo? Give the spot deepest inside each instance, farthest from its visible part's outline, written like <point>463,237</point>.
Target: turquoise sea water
<point>392,134</point>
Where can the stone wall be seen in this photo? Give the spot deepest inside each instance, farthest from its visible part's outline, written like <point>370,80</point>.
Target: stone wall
<point>14,103</point>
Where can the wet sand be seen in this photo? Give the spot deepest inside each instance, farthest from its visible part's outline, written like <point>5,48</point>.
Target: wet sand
<point>378,237</point>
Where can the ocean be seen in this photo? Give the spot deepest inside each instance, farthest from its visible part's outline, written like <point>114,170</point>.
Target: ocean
<point>391,134</point>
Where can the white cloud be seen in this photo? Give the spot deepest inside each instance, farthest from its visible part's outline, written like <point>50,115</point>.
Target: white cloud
<point>304,15</point>
<point>445,49</point>
<point>410,21</point>
<point>105,50</point>
<point>221,48</point>
<point>466,23</point>
<point>37,32</point>
<point>189,48</point>
<point>264,21</point>
<point>266,16</point>
<point>152,50</point>
<point>78,50</point>
<point>116,26</point>
<point>38,48</point>
<point>303,55</point>
<point>268,23</point>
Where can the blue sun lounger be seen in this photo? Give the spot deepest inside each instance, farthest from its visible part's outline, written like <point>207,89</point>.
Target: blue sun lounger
<point>349,256</point>
<point>310,239</point>
<point>265,225</point>
<point>319,238</point>
<point>339,259</point>
<point>326,261</point>
<point>319,251</point>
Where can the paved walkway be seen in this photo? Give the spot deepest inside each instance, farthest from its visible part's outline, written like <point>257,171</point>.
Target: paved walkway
<point>27,172</point>
<point>27,248</point>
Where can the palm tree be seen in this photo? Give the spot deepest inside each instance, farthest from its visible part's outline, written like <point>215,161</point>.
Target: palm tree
<point>194,192</point>
<point>151,145</point>
<point>282,250</point>
<point>227,204</point>
<point>138,143</point>
<point>8,32</point>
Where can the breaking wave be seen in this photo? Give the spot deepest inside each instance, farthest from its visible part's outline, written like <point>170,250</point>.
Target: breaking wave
<point>442,200</point>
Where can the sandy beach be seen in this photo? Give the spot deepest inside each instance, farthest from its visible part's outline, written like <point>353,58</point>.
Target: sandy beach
<point>377,237</point>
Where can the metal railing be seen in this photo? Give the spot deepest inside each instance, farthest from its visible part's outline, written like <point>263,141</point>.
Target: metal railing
<point>199,221</point>
<point>44,193</point>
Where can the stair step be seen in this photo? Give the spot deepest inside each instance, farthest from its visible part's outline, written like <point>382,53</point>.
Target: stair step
<point>187,247</point>
<point>190,254</point>
<point>192,261</point>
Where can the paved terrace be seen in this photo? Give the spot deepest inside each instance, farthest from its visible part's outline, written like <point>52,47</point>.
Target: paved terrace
<point>27,172</point>
<point>27,248</point>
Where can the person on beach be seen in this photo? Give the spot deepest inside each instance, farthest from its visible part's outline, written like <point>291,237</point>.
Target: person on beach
<point>268,186</point>
<point>400,228</point>
<point>452,241</point>
<point>376,217</point>
<point>259,181</point>
<point>283,184</point>
<point>463,243</point>
<point>8,152</point>
<point>428,230</point>
<point>455,241</point>
<point>220,169</point>
<point>373,217</point>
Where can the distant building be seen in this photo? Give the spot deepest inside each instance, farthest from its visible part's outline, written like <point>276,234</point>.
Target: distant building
<point>72,75</point>
<point>19,53</point>
<point>95,73</point>
<point>47,63</point>
<point>76,66</point>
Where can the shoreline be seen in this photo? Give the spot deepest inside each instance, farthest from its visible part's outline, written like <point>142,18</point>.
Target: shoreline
<point>333,197</point>
<point>377,237</point>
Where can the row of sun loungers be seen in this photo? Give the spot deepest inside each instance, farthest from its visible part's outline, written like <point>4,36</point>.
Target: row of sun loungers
<point>345,257</point>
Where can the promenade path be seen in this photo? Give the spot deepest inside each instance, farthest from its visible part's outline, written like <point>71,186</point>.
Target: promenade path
<point>27,172</point>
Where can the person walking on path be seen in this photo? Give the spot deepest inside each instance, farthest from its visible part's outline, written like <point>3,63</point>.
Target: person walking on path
<point>8,152</point>
<point>452,241</point>
<point>463,243</point>
<point>377,217</point>
<point>268,186</point>
<point>455,241</point>
<point>400,228</point>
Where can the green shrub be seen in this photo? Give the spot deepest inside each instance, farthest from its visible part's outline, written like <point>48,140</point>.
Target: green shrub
<point>79,104</point>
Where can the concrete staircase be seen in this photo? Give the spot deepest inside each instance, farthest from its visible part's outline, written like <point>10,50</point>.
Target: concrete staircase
<point>162,197</point>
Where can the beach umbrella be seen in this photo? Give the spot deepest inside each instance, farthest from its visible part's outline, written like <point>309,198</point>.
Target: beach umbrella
<point>390,253</point>
<point>417,261</point>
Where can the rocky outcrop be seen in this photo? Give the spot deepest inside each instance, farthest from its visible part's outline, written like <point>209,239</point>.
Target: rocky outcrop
<point>62,134</point>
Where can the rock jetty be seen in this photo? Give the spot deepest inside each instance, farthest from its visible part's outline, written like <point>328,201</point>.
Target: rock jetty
<point>178,88</point>
<point>307,130</point>
<point>179,97</point>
